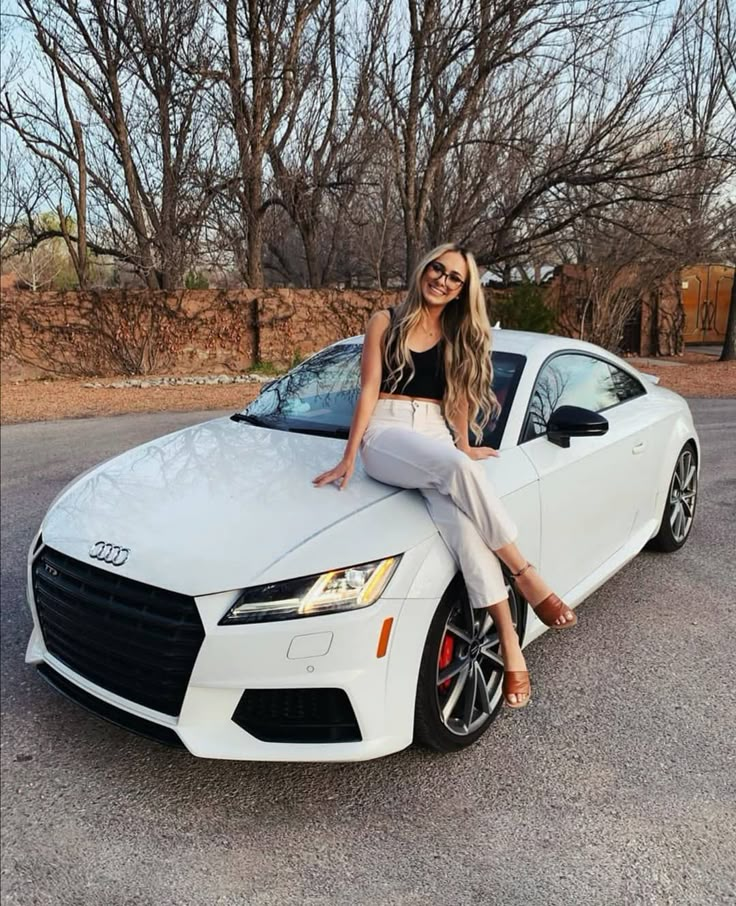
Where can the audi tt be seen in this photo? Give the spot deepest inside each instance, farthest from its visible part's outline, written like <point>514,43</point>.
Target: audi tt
<point>199,590</point>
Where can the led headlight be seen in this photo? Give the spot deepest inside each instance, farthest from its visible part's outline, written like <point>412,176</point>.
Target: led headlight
<point>338,590</point>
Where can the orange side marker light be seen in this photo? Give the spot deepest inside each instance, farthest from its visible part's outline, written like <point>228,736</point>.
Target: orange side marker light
<point>383,639</point>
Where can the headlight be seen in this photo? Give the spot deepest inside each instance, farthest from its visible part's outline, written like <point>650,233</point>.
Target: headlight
<point>340,589</point>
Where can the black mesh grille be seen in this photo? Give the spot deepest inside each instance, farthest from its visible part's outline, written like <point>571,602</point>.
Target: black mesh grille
<point>297,715</point>
<point>135,640</point>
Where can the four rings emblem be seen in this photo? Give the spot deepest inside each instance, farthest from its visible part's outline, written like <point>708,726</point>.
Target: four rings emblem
<point>109,553</point>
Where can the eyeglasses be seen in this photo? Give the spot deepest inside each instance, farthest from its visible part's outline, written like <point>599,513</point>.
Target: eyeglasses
<point>454,280</point>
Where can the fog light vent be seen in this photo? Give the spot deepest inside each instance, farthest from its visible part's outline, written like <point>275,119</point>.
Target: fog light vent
<point>297,715</point>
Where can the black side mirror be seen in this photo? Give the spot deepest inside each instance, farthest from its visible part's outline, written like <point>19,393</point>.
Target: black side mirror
<point>573,421</point>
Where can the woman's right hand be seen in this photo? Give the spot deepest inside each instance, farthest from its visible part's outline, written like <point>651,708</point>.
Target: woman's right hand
<point>343,470</point>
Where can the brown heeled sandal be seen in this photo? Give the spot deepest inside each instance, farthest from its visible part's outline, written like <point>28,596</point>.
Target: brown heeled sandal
<point>516,682</point>
<point>551,608</point>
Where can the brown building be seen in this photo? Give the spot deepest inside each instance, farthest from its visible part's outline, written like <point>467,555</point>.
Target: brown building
<point>706,296</point>
<point>693,309</point>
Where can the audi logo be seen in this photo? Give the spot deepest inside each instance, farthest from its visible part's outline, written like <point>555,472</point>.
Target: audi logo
<point>109,553</point>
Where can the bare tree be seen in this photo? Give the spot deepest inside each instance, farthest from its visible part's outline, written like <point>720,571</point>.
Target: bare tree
<point>44,265</point>
<point>58,143</point>
<point>445,62</point>
<point>267,44</point>
<point>320,156</point>
<point>721,29</point>
<point>21,197</point>
<point>134,68</point>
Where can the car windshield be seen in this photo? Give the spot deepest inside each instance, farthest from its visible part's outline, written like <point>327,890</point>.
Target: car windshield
<point>319,395</point>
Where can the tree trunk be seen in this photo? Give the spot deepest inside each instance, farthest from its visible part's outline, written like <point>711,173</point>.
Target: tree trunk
<point>311,251</point>
<point>82,260</point>
<point>254,220</point>
<point>729,342</point>
<point>412,245</point>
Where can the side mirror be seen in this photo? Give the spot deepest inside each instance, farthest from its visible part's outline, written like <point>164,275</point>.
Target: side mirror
<point>573,421</point>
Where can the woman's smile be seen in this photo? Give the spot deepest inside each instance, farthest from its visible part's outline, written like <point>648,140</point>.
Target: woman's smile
<point>443,278</point>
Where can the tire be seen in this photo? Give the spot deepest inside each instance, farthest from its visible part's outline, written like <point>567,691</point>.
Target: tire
<point>462,640</point>
<point>679,508</point>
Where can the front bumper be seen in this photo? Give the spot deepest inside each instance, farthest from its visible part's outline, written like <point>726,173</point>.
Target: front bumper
<point>333,652</point>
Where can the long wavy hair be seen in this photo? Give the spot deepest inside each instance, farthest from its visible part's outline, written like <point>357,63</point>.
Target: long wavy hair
<point>466,338</point>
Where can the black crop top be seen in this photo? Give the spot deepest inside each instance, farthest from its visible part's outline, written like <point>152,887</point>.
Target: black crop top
<point>429,377</point>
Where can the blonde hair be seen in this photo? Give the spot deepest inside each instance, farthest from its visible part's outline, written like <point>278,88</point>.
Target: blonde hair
<point>466,332</point>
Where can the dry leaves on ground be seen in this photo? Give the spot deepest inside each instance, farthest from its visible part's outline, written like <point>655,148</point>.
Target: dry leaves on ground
<point>694,374</point>
<point>31,401</point>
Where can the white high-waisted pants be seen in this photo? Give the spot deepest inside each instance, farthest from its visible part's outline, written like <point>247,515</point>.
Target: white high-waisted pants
<point>408,444</point>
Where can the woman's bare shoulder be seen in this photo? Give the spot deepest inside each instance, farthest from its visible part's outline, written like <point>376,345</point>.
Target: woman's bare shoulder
<point>379,321</point>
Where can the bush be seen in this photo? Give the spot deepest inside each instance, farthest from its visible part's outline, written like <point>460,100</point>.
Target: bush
<point>269,369</point>
<point>196,280</point>
<point>523,309</point>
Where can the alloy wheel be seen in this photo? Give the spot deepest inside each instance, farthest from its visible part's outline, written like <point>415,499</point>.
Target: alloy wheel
<point>469,666</point>
<point>683,492</point>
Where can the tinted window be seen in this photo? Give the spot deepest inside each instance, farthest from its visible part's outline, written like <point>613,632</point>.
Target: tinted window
<point>320,394</point>
<point>507,370</point>
<point>577,380</point>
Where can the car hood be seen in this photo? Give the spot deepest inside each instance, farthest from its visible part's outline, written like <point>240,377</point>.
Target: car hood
<point>225,504</point>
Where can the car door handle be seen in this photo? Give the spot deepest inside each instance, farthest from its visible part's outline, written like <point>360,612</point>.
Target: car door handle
<point>638,448</point>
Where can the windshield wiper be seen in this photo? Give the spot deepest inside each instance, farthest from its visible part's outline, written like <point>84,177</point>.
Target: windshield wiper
<point>293,428</point>
<point>251,419</point>
<point>322,432</point>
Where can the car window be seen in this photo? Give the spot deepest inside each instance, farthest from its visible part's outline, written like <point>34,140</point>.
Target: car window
<point>627,385</point>
<point>507,370</point>
<point>322,391</point>
<point>576,379</point>
<point>319,395</point>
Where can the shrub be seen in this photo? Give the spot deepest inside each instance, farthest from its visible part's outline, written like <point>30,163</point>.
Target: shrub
<point>196,280</point>
<point>523,309</point>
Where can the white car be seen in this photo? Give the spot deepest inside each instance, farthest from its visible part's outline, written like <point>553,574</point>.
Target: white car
<point>198,589</point>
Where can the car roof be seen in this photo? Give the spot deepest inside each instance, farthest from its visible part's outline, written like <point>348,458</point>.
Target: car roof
<point>525,342</point>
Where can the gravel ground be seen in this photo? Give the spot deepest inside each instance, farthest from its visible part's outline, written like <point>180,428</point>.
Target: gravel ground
<point>693,375</point>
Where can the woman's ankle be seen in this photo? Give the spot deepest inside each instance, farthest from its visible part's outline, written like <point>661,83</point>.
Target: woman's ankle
<point>510,645</point>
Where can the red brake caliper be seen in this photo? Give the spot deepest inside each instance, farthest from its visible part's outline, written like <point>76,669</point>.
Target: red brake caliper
<point>446,651</point>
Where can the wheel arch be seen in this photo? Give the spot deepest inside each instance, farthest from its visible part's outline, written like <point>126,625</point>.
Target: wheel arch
<point>436,570</point>
<point>430,727</point>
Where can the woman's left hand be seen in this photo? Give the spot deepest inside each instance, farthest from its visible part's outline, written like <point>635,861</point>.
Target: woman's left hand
<point>480,452</point>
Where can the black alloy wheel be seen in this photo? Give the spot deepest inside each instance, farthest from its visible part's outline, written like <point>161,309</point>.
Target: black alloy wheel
<point>679,508</point>
<point>459,687</point>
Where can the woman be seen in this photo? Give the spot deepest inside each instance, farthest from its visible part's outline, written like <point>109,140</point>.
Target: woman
<point>426,364</point>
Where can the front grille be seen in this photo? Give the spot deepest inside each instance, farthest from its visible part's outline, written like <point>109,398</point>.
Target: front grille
<point>297,715</point>
<point>100,708</point>
<point>132,639</point>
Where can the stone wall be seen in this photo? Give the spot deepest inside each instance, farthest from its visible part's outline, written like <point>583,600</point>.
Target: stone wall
<point>119,332</point>
<point>187,332</point>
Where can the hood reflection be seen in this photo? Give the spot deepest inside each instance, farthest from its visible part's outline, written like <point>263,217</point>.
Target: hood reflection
<point>222,493</point>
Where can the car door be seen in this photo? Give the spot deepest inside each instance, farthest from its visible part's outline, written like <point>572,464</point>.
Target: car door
<point>635,415</point>
<point>587,499</point>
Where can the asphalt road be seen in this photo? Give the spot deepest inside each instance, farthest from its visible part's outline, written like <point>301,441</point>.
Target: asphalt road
<point>616,785</point>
